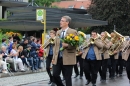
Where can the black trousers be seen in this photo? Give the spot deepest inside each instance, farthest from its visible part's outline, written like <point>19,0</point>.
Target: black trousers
<point>67,70</point>
<point>48,63</point>
<point>91,68</point>
<point>128,67</point>
<point>112,66</point>
<point>119,66</point>
<point>103,68</point>
<point>80,60</point>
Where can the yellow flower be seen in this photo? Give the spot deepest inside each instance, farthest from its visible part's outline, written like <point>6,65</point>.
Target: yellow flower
<point>68,37</point>
<point>71,35</point>
<point>76,38</point>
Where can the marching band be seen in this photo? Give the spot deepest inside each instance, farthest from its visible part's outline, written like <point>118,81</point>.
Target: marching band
<point>101,53</point>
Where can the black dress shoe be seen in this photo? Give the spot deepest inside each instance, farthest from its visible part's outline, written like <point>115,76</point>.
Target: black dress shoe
<point>63,79</point>
<point>87,82</point>
<point>76,75</point>
<point>81,77</point>
<point>93,84</point>
<point>49,82</point>
<point>103,81</point>
<point>52,84</point>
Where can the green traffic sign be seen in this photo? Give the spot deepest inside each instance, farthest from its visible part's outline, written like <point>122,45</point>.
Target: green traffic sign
<point>39,12</point>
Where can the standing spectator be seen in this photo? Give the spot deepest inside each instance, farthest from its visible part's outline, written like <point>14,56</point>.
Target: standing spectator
<point>34,44</point>
<point>40,55</point>
<point>16,37</point>
<point>30,40</point>
<point>24,43</point>
<point>27,54</point>
<point>35,56</point>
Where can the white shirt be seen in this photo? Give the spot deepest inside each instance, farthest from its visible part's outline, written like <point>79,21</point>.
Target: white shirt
<point>64,32</point>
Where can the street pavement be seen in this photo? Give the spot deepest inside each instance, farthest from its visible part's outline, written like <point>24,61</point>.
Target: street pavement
<point>118,81</point>
<point>41,79</point>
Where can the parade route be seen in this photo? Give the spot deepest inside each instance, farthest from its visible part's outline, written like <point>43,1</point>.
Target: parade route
<point>118,81</point>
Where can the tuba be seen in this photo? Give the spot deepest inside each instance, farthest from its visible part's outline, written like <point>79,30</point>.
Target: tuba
<point>117,40</point>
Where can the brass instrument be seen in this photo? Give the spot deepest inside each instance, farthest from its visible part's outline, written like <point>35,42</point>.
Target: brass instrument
<point>106,36</point>
<point>117,41</point>
<point>49,41</point>
<point>126,47</point>
<point>92,40</point>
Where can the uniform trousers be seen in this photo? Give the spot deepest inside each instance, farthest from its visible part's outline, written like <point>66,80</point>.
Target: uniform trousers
<point>80,60</point>
<point>48,63</point>
<point>128,67</point>
<point>67,70</point>
<point>91,68</point>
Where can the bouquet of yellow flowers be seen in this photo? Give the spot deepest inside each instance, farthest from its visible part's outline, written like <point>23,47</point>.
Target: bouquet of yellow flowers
<point>71,39</point>
<point>82,37</point>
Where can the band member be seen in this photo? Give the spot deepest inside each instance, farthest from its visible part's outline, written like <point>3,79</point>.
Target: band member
<point>126,56</point>
<point>49,46</point>
<point>114,56</point>
<point>80,60</point>
<point>105,56</point>
<point>66,59</point>
<point>92,58</point>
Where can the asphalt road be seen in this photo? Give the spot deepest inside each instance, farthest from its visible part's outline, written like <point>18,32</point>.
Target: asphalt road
<point>118,81</point>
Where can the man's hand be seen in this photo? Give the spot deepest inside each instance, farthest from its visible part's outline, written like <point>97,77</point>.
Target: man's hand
<point>64,45</point>
<point>52,61</point>
<point>115,52</point>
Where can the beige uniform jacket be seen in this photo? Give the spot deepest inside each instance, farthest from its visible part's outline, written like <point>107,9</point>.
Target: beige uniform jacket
<point>69,54</point>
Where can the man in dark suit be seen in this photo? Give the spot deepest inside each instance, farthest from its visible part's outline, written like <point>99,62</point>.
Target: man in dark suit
<point>66,59</point>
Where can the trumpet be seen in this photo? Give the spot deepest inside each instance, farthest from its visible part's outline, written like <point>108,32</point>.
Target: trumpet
<point>126,47</point>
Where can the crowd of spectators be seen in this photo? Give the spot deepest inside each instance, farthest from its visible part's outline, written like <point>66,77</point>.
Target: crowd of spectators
<point>20,53</point>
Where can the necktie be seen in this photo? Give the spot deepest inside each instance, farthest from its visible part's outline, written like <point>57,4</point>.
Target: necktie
<point>63,32</point>
<point>62,37</point>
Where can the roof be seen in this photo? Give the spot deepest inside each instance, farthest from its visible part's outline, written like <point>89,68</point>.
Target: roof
<point>9,3</point>
<point>72,4</point>
<point>24,19</point>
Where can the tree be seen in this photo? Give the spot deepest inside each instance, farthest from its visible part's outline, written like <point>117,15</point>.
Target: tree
<point>116,12</point>
<point>45,3</point>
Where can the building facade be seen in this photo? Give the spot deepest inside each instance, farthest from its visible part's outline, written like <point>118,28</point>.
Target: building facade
<point>4,4</point>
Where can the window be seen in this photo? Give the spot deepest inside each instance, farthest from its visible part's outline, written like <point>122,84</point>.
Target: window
<point>82,7</point>
<point>71,6</point>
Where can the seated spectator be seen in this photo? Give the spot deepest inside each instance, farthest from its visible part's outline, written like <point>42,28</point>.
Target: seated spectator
<point>38,43</point>
<point>35,56</point>
<point>4,43</point>
<point>14,53</point>
<point>27,54</point>
<point>7,58</point>
<point>21,55</point>
<point>3,64</point>
<point>10,46</point>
